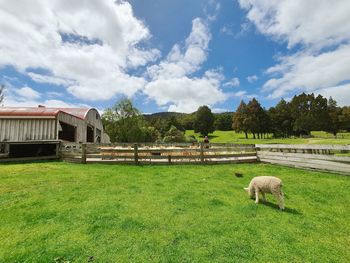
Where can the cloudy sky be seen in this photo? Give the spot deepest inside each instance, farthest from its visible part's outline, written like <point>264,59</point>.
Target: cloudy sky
<point>173,55</point>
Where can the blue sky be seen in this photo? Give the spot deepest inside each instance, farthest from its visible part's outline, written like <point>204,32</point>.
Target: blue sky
<point>173,55</point>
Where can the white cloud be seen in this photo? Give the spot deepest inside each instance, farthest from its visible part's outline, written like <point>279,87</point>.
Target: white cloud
<point>227,30</point>
<point>171,82</point>
<point>311,22</point>
<point>49,79</point>
<point>240,93</point>
<point>340,93</point>
<point>234,82</point>
<point>307,72</point>
<point>252,79</point>
<point>28,97</point>
<point>27,93</point>
<point>321,28</point>
<point>34,38</point>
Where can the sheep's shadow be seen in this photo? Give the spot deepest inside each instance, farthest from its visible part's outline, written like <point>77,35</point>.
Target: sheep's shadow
<point>286,209</point>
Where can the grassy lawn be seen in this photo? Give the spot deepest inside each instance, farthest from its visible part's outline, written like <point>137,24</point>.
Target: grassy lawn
<point>58,212</point>
<point>233,137</point>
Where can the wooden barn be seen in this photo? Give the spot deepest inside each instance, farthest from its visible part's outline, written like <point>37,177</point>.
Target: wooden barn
<point>31,132</point>
<point>23,124</point>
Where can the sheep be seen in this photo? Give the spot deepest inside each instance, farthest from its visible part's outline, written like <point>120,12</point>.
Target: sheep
<point>266,184</point>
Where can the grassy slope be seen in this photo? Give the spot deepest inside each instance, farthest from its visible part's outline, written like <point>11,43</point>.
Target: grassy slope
<point>188,213</point>
<point>232,137</point>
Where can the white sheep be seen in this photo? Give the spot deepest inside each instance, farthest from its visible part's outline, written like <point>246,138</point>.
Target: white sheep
<point>266,184</point>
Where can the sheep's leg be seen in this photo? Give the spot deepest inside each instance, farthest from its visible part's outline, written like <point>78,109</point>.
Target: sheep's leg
<point>279,197</point>
<point>264,197</point>
<point>281,201</point>
<point>256,196</point>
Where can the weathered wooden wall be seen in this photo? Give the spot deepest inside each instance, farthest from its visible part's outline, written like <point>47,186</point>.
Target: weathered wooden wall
<point>18,129</point>
<point>92,118</point>
<point>319,157</point>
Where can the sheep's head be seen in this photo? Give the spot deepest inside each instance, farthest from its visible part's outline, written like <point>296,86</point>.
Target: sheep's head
<point>250,191</point>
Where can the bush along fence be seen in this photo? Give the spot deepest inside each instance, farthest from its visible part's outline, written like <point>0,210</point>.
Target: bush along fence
<point>333,158</point>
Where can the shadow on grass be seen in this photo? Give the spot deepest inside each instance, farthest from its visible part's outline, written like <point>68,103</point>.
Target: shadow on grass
<point>9,162</point>
<point>286,209</point>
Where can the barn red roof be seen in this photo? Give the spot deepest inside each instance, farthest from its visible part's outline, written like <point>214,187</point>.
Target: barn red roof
<point>42,111</point>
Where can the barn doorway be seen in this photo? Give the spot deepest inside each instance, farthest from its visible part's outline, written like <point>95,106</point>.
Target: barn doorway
<point>89,134</point>
<point>66,132</point>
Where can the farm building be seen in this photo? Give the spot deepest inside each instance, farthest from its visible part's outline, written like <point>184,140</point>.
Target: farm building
<point>25,124</point>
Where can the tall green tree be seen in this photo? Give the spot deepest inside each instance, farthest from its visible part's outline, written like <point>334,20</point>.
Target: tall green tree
<point>240,119</point>
<point>223,121</point>
<point>281,119</point>
<point>345,118</point>
<point>255,117</point>
<point>309,113</point>
<point>334,112</point>
<point>204,121</point>
<point>125,123</point>
<point>301,113</point>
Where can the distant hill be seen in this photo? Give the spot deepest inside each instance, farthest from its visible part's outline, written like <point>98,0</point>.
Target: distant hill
<point>173,114</point>
<point>164,115</point>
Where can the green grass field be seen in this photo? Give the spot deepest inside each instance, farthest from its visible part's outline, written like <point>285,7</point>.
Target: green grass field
<point>233,137</point>
<point>60,212</point>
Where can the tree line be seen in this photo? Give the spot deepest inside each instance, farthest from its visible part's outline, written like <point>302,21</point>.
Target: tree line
<point>303,114</point>
<point>298,117</point>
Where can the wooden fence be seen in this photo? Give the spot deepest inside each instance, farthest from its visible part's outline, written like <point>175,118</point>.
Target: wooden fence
<point>158,153</point>
<point>334,158</point>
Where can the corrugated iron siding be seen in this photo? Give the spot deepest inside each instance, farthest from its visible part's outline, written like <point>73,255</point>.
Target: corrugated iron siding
<point>27,129</point>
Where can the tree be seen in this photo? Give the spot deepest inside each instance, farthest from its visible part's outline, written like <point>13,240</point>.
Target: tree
<point>187,121</point>
<point>124,123</point>
<point>255,118</point>
<point>174,135</point>
<point>303,121</point>
<point>204,121</point>
<point>223,121</point>
<point>239,121</point>
<point>334,113</point>
<point>281,119</point>
<point>2,95</point>
<point>345,118</point>
<point>309,113</point>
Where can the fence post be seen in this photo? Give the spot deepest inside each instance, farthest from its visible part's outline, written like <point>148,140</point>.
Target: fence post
<point>83,154</point>
<point>169,159</point>
<point>136,155</point>
<point>202,152</point>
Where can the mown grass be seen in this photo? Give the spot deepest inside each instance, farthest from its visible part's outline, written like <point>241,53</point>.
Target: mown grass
<point>58,212</point>
<point>239,138</point>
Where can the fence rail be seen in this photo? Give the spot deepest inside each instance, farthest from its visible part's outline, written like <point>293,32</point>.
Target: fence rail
<point>332,158</point>
<point>158,153</point>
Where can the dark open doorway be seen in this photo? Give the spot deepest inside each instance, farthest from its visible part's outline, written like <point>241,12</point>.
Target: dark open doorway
<point>67,132</point>
<point>90,134</point>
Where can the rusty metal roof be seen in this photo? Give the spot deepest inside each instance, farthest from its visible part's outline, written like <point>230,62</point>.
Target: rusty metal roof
<point>42,111</point>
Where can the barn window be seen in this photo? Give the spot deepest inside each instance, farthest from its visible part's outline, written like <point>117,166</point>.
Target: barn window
<point>66,132</point>
<point>96,116</point>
